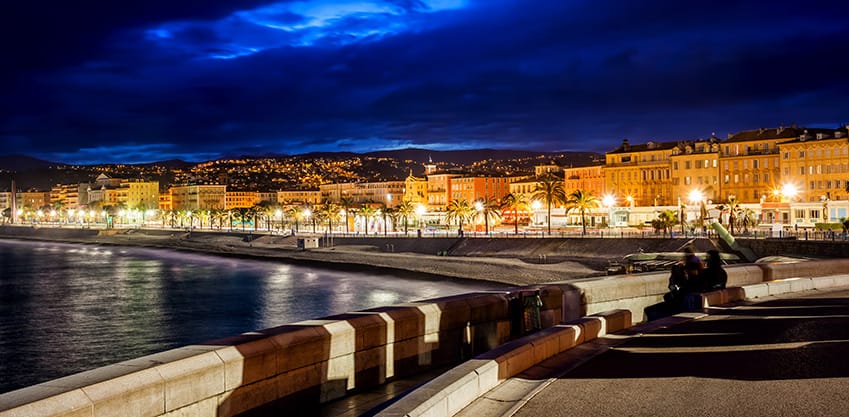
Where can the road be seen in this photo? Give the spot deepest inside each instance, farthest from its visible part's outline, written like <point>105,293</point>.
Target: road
<point>784,356</point>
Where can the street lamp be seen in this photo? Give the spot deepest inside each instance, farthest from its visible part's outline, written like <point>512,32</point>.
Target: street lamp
<point>697,197</point>
<point>307,214</point>
<point>420,211</point>
<point>608,202</point>
<point>479,207</point>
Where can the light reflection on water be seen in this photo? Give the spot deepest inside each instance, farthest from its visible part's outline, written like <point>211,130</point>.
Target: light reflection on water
<point>67,308</point>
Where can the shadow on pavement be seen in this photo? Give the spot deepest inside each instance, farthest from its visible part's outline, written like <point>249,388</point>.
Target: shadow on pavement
<point>780,339</point>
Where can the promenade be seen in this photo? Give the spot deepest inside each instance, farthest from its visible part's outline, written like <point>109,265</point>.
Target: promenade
<point>779,356</point>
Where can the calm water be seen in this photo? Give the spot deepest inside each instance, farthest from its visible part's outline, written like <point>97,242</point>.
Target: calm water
<point>68,308</point>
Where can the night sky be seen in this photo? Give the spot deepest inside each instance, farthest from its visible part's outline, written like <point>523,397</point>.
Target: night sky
<point>144,80</point>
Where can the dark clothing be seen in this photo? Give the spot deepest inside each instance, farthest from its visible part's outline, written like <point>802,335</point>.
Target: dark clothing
<point>715,278</point>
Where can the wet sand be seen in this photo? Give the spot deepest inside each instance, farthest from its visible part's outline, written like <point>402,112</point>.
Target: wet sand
<point>504,270</point>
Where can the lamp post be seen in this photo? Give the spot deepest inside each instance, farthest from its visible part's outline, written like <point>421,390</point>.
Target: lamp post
<point>420,211</point>
<point>608,202</point>
<point>535,205</point>
<point>307,214</point>
<point>278,214</point>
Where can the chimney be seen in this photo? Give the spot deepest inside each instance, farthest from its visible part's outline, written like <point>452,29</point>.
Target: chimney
<point>625,145</point>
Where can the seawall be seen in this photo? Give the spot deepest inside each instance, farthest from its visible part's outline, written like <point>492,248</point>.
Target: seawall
<point>319,360</point>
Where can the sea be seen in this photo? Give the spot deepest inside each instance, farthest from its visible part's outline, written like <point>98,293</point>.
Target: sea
<point>67,308</point>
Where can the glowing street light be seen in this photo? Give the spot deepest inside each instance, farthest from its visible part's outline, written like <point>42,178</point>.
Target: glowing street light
<point>789,191</point>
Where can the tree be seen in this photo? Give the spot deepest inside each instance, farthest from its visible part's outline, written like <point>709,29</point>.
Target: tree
<point>367,212</point>
<point>550,190</point>
<point>458,210</point>
<point>665,220</point>
<point>732,208</point>
<point>515,203</point>
<point>582,201</point>
<point>748,217</point>
<point>296,213</point>
<point>488,208</point>
<point>405,209</point>
<point>328,211</point>
<point>217,215</point>
<point>346,203</point>
<point>389,213</point>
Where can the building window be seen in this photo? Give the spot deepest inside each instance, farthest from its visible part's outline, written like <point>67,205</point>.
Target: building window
<point>801,154</point>
<point>800,213</point>
<point>813,185</point>
<point>675,165</point>
<point>801,170</point>
<point>687,180</point>
<point>786,155</point>
<point>766,177</point>
<point>755,164</point>
<point>755,178</point>
<point>736,178</point>
<point>686,164</point>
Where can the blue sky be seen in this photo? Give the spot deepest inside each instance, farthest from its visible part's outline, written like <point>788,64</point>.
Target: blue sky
<point>139,81</point>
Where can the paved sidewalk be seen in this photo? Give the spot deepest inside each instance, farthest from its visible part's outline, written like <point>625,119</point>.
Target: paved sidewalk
<point>781,356</point>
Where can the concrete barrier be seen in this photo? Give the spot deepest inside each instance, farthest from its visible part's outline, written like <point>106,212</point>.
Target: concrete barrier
<point>320,360</point>
<point>452,391</point>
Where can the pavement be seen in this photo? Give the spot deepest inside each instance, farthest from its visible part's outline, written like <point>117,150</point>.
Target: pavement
<point>779,356</point>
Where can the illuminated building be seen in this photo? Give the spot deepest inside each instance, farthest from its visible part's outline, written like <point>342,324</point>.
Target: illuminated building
<point>817,164</point>
<point>390,193</point>
<point>240,199</point>
<point>588,178</point>
<point>142,195</point>
<point>640,173</point>
<point>694,167</point>
<point>749,163</point>
<point>299,197</point>
<point>415,189</point>
<point>198,197</point>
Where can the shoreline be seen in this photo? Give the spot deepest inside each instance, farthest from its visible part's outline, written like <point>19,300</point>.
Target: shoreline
<point>507,271</point>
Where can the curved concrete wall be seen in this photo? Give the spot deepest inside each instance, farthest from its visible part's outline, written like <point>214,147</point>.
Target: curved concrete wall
<point>320,360</point>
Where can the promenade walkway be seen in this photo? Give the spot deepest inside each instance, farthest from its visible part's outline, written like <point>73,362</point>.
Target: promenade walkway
<point>780,356</point>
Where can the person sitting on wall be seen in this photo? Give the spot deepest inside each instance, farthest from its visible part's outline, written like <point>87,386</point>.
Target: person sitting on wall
<point>694,268</point>
<point>715,277</point>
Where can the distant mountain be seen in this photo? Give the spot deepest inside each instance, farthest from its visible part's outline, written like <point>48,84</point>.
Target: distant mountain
<point>20,163</point>
<point>462,157</point>
<point>171,164</point>
<point>466,157</point>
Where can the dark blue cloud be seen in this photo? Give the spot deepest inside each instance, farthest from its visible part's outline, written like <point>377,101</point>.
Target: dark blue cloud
<point>171,79</point>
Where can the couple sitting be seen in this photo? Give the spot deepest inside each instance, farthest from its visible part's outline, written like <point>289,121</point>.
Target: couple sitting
<point>689,276</point>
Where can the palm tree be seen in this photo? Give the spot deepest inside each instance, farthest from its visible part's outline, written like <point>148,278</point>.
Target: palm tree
<point>346,203</point>
<point>367,212</point>
<point>296,213</point>
<point>405,209</point>
<point>243,214</point>
<point>748,217</point>
<point>550,190</point>
<point>582,201</point>
<point>733,209</point>
<point>458,210</point>
<point>392,214</point>
<point>328,211</point>
<point>515,203</point>
<point>217,215</point>
<point>665,220</point>
<point>488,208</point>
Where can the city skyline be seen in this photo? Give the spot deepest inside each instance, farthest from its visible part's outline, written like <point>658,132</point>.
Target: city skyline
<point>146,81</point>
